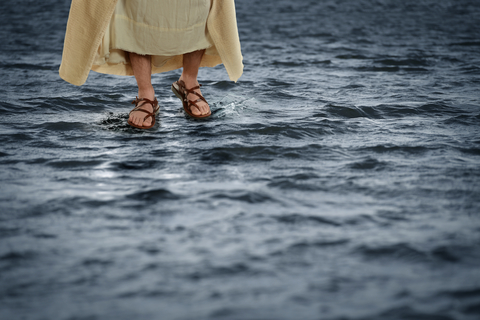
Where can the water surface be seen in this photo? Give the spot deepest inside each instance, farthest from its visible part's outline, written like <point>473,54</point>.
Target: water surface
<point>338,179</point>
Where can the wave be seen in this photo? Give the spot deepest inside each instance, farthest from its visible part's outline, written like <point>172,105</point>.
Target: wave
<point>296,218</point>
<point>154,195</point>
<point>388,111</point>
<point>395,252</point>
<point>243,196</point>
<point>368,164</point>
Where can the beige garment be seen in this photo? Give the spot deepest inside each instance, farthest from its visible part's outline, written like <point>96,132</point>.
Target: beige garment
<point>160,28</point>
<point>89,20</point>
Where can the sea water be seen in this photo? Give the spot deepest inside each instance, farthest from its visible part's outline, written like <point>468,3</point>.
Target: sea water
<point>338,179</point>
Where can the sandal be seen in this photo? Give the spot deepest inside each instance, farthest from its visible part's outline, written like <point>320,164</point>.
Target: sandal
<point>178,87</point>
<point>156,109</point>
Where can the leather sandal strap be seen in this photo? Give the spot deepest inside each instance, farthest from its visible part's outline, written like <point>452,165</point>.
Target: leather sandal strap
<point>185,92</point>
<point>183,87</point>
<point>181,84</point>
<point>149,114</point>
<point>194,103</point>
<point>153,103</point>
<point>191,103</point>
<point>190,91</point>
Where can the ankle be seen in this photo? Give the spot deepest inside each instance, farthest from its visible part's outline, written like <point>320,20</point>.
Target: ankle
<point>189,79</point>
<point>147,92</point>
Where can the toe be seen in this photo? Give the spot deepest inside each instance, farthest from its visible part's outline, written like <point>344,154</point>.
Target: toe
<point>196,111</point>
<point>138,119</point>
<point>135,121</point>
<point>204,109</point>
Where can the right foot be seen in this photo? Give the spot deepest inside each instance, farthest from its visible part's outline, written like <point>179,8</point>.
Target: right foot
<point>138,117</point>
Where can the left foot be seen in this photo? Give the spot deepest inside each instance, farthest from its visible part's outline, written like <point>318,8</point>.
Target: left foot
<point>201,107</point>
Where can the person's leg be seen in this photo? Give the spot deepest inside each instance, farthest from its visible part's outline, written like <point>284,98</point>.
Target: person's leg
<point>191,64</point>
<point>141,66</point>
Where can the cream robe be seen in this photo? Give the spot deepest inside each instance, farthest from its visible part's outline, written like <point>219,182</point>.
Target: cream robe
<point>88,22</point>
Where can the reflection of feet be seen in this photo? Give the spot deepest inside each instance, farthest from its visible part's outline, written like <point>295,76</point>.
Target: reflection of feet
<point>143,115</point>
<point>194,103</point>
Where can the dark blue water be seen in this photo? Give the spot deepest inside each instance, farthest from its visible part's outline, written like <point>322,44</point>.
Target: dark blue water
<point>338,179</point>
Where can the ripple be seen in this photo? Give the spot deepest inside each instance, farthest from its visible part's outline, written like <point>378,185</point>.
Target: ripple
<point>16,256</point>
<point>409,150</point>
<point>351,112</point>
<point>154,195</point>
<point>305,219</point>
<point>140,164</point>
<point>238,153</point>
<point>407,312</point>
<point>23,66</point>
<point>71,164</point>
<point>63,126</point>
<point>352,56</point>
<point>369,164</point>
<point>244,196</point>
<point>397,252</point>
<point>305,182</point>
<point>6,232</point>
<point>463,119</point>
<point>463,293</point>
<point>233,270</point>
<point>472,309</point>
<point>304,245</point>
<point>466,43</point>
<point>153,293</point>
<point>446,254</point>
<point>378,69</point>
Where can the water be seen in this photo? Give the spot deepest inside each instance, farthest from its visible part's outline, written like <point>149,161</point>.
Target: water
<point>338,179</point>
